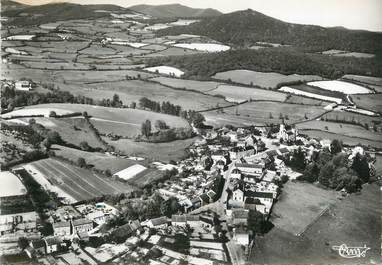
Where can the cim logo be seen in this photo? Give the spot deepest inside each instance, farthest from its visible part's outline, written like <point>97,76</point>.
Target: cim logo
<point>351,252</point>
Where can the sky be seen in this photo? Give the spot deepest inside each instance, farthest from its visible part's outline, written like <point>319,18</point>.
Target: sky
<point>352,14</point>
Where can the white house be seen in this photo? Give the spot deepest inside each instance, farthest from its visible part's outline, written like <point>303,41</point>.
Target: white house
<point>82,225</point>
<point>238,195</point>
<point>23,85</point>
<point>235,174</point>
<point>129,172</point>
<point>52,244</point>
<point>160,222</point>
<point>241,236</point>
<point>61,228</point>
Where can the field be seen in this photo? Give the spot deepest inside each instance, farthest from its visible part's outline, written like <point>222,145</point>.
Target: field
<point>240,94</point>
<point>207,47</point>
<point>126,122</point>
<point>166,70</point>
<point>81,184</point>
<point>202,86</point>
<point>340,86</point>
<point>72,130</point>
<point>370,102</point>
<point>96,160</point>
<point>295,99</point>
<point>299,205</point>
<point>261,113</point>
<point>349,130</point>
<point>295,91</point>
<point>163,152</point>
<point>261,79</point>
<point>359,214</point>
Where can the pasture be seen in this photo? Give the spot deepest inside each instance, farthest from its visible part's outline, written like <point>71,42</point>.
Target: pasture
<point>80,184</point>
<point>202,86</point>
<point>95,160</point>
<point>163,152</point>
<point>261,113</point>
<point>269,80</point>
<point>299,205</point>
<point>354,220</point>
<point>133,90</point>
<point>295,91</point>
<point>341,129</point>
<point>125,122</point>
<point>370,102</point>
<point>240,94</point>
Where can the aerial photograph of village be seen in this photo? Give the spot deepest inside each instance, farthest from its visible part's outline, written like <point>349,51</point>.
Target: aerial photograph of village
<point>191,132</point>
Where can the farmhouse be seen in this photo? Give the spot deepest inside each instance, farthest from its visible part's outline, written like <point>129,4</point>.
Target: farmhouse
<point>53,244</point>
<point>82,225</point>
<point>251,169</point>
<point>129,172</point>
<point>160,222</point>
<point>23,85</point>
<point>178,220</point>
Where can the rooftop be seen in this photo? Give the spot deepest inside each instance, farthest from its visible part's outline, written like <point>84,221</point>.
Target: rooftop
<point>10,185</point>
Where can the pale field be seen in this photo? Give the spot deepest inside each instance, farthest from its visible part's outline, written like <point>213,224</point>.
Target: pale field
<point>166,70</point>
<point>340,86</point>
<point>262,79</point>
<point>207,47</point>
<point>308,94</point>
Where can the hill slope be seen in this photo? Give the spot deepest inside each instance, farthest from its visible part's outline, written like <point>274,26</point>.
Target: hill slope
<point>245,28</point>
<point>10,5</point>
<point>31,15</point>
<point>174,10</point>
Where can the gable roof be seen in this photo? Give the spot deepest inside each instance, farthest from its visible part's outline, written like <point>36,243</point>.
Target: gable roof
<point>39,243</point>
<point>205,197</point>
<point>192,218</point>
<point>239,214</point>
<point>61,224</point>
<point>82,221</point>
<point>246,165</point>
<point>284,150</point>
<point>52,240</point>
<point>159,221</point>
<point>271,152</point>
<point>178,218</point>
<point>257,194</point>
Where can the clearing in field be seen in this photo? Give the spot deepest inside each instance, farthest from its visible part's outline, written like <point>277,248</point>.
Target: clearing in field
<point>240,94</point>
<point>265,80</point>
<point>207,47</point>
<point>80,184</point>
<point>340,86</point>
<point>166,70</point>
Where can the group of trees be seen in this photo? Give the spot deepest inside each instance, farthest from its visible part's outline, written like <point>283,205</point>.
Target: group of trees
<point>11,98</point>
<point>333,169</point>
<point>168,108</point>
<point>163,133</point>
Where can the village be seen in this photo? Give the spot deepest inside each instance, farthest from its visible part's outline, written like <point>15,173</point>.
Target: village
<point>214,204</point>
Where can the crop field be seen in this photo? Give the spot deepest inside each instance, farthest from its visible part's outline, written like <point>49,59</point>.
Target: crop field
<point>202,86</point>
<point>240,94</point>
<point>163,152</point>
<point>96,160</point>
<point>261,113</point>
<point>81,184</point>
<point>358,213</point>
<point>127,122</point>
<point>370,102</point>
<point>265,80</point>
<point>342,129</point>
<point>298,205</point>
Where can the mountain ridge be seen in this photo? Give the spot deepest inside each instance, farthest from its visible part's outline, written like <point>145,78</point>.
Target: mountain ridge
<point>174,10</point>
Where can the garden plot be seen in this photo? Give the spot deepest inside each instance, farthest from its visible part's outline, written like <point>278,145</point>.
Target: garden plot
<point>262,79</point>
<point>206,47</point>
<point>340,86</point>
<point>241,94</point>
<point>308,94</point>
<point>166,70</point>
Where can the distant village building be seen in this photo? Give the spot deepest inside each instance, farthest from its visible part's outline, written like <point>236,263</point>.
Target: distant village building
<point>23,85</point>
<point>82,225</point>
<point>160,222</point>
<point>62,228</point>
